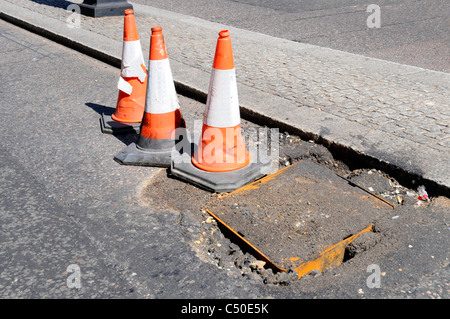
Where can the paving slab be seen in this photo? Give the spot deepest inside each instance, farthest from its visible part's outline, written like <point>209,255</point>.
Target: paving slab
<point>395,116</point>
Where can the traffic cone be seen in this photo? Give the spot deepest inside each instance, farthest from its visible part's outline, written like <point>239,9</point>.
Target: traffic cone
<point>162,115</point>
<point>132,84</point>
<point>221,161</point>
<point>221,147</point>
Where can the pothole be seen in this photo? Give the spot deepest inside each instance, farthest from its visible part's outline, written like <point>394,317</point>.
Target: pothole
<point>217,245</point>
<point>361,244</point>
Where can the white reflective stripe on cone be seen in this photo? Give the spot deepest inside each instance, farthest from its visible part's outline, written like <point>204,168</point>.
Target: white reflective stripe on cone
<point>222,105</point>
<point>132,60</point>
<point>161,94</point>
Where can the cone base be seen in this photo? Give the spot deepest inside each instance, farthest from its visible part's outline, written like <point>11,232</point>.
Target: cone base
<point>124,120</point>
<point>131,155</point>
<point>109,126</point>
<point>223,167</point>
<point>183,168</point>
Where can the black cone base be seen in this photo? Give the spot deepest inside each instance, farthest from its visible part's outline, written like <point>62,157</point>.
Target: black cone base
<point>183,168</point>
<point>104,8</point>
<point>131,155</point>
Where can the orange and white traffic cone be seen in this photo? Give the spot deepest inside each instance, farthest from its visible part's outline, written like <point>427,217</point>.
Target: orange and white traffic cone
<point>221,161</point>
<point>221,147</point>
<point>162,115</point>
<point>132,83</point>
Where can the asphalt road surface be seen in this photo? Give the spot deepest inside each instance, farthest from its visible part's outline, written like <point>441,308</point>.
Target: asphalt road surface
<point>76,224</point>
<point>410,32</point>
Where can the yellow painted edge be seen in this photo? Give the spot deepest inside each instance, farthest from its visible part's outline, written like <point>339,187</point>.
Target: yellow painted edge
<point>329,257</point>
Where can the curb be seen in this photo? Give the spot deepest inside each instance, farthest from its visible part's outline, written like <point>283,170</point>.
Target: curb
<point>354,146</point>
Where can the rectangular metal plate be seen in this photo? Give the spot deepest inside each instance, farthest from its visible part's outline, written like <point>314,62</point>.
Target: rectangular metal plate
<point>298,213</point>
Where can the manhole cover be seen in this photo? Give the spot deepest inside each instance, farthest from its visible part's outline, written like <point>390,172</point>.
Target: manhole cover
<point>300,217</point>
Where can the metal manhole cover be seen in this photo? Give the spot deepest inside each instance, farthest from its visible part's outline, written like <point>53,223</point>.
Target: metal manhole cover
<point>298,214</point>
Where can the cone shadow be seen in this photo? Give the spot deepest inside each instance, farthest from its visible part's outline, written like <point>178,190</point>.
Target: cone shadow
<point>101,109</point>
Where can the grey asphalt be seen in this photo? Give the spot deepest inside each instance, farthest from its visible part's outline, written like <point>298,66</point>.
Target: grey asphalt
<point>65,201</point>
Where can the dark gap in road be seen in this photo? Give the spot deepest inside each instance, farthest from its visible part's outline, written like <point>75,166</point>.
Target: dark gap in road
<point>365,242</point>
<point>348,254</point>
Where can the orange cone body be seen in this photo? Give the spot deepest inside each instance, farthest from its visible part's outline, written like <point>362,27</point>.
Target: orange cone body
<point>132,83</point>
<point>162,115</point>
<point>221,162</point>
<point>162,110</point>
<point>221,147</point>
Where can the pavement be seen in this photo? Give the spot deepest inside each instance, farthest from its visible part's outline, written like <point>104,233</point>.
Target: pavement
<point>366,111</point>
<point>411,32</point>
